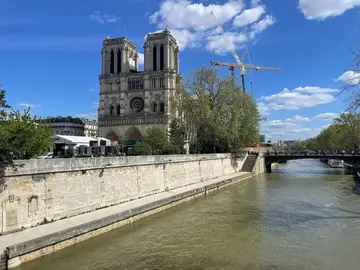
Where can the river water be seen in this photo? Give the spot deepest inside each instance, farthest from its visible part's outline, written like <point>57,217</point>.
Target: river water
<point>303,216</point>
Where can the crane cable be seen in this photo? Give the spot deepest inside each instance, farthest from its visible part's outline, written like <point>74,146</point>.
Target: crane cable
<point>251,79</point>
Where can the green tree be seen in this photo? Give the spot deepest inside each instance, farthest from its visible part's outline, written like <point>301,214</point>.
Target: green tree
<point>329,138</point>
<point>177,134</point>
<point>215,114</point>
<point>348,125</point>
<point>25,136</point>
<point>157,139</point>
<point>3,105</point>
<point>21,136</point>
<point>140,149</point>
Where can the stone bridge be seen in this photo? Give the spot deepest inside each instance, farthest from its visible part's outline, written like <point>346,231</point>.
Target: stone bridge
<point>274,158</point>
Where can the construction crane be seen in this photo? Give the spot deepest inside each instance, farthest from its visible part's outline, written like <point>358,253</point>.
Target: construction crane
<point>242,67</point>
<point>239,62</point>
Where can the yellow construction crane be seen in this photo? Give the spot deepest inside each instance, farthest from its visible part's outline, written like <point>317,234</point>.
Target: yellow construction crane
<point>239,62</point>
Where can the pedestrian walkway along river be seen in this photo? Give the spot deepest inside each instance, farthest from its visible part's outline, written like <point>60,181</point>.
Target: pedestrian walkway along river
<point>303,216</point>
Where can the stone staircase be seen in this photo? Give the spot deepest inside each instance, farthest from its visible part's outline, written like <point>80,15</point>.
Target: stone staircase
<point>249,163</point>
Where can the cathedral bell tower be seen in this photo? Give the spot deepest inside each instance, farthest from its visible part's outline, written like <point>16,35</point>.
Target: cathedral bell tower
<point>132,101</point>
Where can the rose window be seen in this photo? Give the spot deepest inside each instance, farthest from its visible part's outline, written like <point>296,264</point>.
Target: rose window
<point>137,104</point>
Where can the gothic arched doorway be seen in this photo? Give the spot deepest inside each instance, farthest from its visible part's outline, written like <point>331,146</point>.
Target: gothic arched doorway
<point>112,136</point>
<point>133,134</point>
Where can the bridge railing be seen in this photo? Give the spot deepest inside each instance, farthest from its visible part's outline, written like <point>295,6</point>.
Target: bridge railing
<point>309,154</point>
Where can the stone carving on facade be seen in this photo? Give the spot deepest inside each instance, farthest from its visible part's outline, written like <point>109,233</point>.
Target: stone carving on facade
<point>137,90</point>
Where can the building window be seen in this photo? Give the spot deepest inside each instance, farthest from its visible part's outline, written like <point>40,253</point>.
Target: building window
<point>118,61</point>
<point>135,84</point>
<point>162,107</point>
<point>111,110</point>
<point>154,107</point>
<point>153,83</point>
<point>154,58</point>
<point>118,110</point>
<point>161,82</point>
<point>157,82</point>
<point>112,62</point>
<point>162,57</point>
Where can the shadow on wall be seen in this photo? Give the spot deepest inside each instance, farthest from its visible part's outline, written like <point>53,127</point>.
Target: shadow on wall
<point>235,157</point>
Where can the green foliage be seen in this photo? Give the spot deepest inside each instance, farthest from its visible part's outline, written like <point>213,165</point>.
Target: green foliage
<point>24,136</point>
<point>215,114</point>
<point>344,133</point>
<point>156,142</point>
<point>329,138</point>
<point>140,149</point>
<point>3,105</point>
<point>177,133</point>
<point>348,126</point>
<point>21,135</point>
<point>157,139</point>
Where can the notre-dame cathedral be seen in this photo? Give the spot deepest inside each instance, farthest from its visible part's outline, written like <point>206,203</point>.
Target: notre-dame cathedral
<point>132,101</point>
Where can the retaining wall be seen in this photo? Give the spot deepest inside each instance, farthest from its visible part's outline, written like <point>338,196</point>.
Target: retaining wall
<point>43,191</point>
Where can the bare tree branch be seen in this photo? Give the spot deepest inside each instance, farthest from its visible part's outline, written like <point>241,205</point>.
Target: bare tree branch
<point>351,86</point>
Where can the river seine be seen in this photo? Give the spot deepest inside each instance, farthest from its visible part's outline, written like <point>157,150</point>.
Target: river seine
<point>302,216</point>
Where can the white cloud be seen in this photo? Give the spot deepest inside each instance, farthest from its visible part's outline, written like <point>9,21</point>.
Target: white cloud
<point>289,129</point>
<point>219,45</point>
<point>28,105</point>
<point>296,127</point>
<point>255,3</point>
<point>262,25</point>
<point>184,14</point>
<point>90,116</point>
<point>103,18</point>
<point>315,90</point>
<point>95,104</point>
<point>185,38</point>
<point>350,77</point>
<point>141,59</point>
<point>326,116</point>
<point>249,16</point>
<point>298,118</point>
<point>322,9</point>
<point>301,97</point>
<point>278,124</point>
<point>263,108</point>
<point>193,25</point>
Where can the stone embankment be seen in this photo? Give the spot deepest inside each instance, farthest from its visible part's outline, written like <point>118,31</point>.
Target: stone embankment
<point>48,205</point>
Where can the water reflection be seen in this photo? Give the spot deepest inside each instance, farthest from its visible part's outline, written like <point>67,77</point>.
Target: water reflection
<point>301,218</point>
<point>307,166</point>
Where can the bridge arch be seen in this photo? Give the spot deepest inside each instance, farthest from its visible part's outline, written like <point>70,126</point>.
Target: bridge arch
<point>274,158</point>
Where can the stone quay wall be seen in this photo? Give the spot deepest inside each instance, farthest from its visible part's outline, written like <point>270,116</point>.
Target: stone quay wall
<point>43,191</point>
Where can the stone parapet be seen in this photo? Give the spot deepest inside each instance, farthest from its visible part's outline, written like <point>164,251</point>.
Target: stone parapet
<point>43,191</point>
<point>40,166</point>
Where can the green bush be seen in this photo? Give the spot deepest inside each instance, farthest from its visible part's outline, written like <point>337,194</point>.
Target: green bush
<point>141,149</point>
<point>172,149</point>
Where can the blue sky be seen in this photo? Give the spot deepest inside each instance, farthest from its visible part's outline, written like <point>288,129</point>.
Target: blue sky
<point>50,51</point>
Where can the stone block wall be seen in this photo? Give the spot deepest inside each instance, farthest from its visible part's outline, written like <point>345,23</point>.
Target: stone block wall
<point>48,190</point>
<point>259,167</point>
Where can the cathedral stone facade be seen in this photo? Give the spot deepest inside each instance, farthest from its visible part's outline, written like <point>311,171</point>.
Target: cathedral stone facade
<point>132,101</point>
